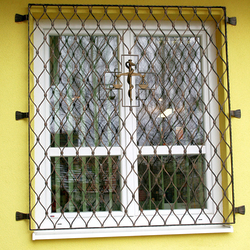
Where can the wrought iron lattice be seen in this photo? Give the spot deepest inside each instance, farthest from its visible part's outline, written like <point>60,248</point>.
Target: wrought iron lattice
<point>129,119</point>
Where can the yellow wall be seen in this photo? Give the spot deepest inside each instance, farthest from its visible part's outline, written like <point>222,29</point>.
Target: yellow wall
<point>14,149</point>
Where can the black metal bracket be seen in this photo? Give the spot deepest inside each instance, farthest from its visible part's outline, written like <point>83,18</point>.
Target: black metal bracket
<point>236,113</point>
<point>240,210</point>
<point>21,115</point>
<point>22,216</point>
<point>232,20</point>
<point>20,18</point>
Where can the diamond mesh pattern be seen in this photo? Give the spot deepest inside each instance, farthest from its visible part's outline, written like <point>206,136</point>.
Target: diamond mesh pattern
<point>106,151</point>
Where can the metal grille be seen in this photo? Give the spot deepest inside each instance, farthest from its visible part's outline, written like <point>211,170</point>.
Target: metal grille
<point>129,117</point>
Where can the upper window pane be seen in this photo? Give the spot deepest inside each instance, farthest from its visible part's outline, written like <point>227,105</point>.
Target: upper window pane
<point>171,112</point>
<point>79,88</point>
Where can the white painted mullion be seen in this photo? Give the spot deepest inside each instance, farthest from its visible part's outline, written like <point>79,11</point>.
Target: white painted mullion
<point>41,114</point>
<point>84,151</point>
<point>212,182</point>
<point>123,163</point>
<point>130,160</point>
<point>46,106</point>
<point>174,150</point>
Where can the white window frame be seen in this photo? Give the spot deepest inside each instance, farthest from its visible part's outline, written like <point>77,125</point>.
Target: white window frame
<point>42,34</point>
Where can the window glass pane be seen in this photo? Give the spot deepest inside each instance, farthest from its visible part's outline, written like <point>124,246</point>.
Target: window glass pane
<point>168,182</point>
<point>85,184</point>
<point>83,107</point>
<point>170,112</point>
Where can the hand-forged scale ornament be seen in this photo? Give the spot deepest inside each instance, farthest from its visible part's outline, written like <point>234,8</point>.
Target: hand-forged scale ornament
<point>143,84</point>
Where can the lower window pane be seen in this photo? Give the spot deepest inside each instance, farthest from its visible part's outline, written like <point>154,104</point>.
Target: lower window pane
<point>82,184</point>
<point>171,182</point>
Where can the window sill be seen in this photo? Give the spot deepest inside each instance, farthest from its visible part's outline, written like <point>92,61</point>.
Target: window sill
<point>125,232</point>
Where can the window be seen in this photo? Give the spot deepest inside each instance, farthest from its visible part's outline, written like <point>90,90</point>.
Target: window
<point>129,117</point>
